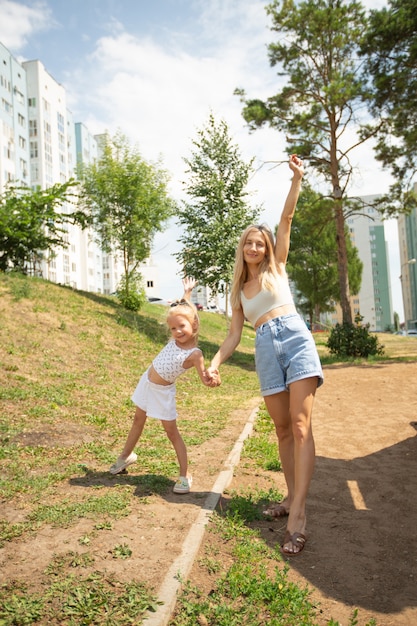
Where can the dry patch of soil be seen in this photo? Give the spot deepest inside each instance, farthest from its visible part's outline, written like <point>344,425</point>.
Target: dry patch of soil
<point>362,509</point>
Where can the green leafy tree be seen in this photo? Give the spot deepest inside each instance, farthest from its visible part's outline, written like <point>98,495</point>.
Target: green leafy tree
<point>320,103</point>
<point>390,49</point>
<point>129,203</point>
<point>33,223</point>
<point>312,263</point>
<point>217,210</point>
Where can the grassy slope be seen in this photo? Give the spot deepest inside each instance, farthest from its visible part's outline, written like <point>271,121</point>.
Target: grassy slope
<point>68,364</point>
<point>75,357</point>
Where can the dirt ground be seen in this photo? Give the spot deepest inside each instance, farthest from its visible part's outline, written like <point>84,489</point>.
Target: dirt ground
<point>362,508</point>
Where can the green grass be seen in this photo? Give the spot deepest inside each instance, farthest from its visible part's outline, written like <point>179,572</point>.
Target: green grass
<point>252,591</point>
<point>69,361</point>
<point>250,584</point>
<point>75,598</point>
<point>248,580</point>
<point>262,447</point>
<point>74,357</point>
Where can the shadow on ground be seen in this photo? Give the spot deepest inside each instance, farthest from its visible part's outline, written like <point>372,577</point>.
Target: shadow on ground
<point>362,518</point>
<point>144,484</point>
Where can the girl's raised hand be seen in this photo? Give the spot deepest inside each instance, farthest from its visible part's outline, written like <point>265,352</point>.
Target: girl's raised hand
<point>189,283</point>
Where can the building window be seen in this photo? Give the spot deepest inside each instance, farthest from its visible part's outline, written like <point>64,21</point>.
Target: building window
<point>34,172</point>
<point>7,106</point>
<point>33,128</point>
<point>8,151</point>
<point>60,119</point>
<point>149,284</point>
<point>47,129</point>
<point>18,95</point>
<point>4,82</point>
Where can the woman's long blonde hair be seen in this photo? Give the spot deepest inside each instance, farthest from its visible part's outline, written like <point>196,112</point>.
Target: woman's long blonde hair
<point>268,268</point>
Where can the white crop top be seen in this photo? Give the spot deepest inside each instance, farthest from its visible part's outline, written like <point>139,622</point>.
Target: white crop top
<point>169,362</point>
<point>265,300</point>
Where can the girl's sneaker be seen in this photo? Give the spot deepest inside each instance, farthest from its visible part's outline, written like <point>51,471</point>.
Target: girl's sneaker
<point>183,484</point>
<point>121,464</point>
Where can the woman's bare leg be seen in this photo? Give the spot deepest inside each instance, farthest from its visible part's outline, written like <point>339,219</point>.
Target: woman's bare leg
<point>278,406</point>
<point>302,395</point>
<point>297,450</point>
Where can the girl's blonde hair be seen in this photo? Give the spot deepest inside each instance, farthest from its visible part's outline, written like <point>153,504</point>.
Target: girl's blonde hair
<point>268,268</point>
<point>186,309</point>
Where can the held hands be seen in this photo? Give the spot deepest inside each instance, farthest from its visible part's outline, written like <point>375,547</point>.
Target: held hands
<point>212,377</point>
<point>296,165</point>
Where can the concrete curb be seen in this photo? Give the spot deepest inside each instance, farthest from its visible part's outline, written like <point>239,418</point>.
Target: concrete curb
<point>181,567</point>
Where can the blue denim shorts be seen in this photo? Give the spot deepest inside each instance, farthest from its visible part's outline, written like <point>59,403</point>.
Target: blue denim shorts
<point>285,351</point>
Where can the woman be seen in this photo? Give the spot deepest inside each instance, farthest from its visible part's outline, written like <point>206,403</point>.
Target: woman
<point>287,362</point>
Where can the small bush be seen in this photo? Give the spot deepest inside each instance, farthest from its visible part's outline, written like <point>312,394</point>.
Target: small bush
<point>131,301</point>
<point>131,293</point>
<point>354,340</point>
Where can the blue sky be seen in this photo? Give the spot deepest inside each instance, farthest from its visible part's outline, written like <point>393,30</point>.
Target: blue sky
<point>156,70</point>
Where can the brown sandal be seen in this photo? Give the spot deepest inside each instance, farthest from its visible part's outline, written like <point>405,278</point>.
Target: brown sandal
<point>276,510</point>
<point>298,541</point>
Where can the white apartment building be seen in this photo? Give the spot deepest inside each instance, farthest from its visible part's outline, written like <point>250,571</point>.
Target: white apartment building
<point>39,146</point>
<point>14,127</point>
<point>90,256</point>
<point>52,160</point>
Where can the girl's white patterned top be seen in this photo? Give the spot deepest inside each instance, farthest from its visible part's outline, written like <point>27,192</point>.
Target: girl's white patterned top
<point>169,362</point>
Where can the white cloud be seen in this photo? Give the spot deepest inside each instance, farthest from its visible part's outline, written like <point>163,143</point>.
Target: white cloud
<point>18,22</point>
<point>159,92</point>
<point>160,95</point>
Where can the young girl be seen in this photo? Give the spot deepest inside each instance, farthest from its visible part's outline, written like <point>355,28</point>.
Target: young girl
<point>286,358</point>
<point>154,395</point>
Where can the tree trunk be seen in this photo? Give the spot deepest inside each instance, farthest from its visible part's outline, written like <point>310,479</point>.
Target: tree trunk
<point>316,317</point>
<point>342,263</point>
